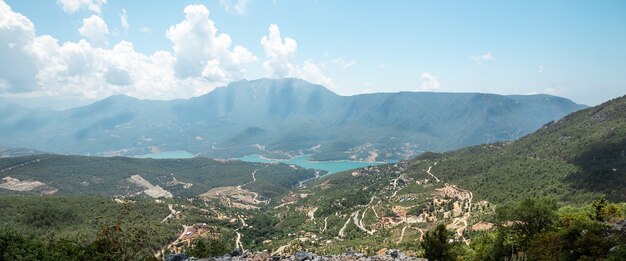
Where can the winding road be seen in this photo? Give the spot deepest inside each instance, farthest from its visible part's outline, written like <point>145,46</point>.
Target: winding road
<point>343,229</point>
<point>358,222</point>
<point>431,174</point>
<point>402,234</point>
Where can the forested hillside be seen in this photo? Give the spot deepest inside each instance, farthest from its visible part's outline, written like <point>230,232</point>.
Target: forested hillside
<point>574,159</point>
<point>111,176</point>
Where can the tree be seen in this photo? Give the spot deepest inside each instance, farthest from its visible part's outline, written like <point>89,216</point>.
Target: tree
<point>116,242</point>
<point>208,247</point>
<point>545,246</point>
<point>587,240</point>
<point>528,218</point>
<point>436,245</point>
<point>598,206</point>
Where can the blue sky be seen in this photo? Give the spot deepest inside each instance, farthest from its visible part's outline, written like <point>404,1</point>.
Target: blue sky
<point>574,49</point>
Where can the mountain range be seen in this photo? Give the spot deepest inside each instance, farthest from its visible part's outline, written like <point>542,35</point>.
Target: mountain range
<point>280,119</point>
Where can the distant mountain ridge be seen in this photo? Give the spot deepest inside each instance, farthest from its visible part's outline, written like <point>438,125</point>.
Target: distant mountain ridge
<point>282,118</point>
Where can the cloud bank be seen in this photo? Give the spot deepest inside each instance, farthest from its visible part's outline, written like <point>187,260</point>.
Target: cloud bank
<point>201,59</point>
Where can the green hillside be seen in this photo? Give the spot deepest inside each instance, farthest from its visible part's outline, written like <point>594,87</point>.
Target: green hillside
<point>574,159</point>
<point>108,176</point>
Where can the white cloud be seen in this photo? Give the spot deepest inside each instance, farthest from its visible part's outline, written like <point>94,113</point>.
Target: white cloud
<point>38,66</point>
<point>19,64</point>
<point>279,52</point>
<point>73,6</point>
<point>382,67</point>
<point>235,6</point>
<point>311,72</point>
<point>202,59</point>
<point>343,64</point>
<point>201,52</point>
<point>540,69</point>
<point>482,58</point>
<point>124,20</point>
<point>428,82</point>
<point>95,30</point>
<point>81,70</point>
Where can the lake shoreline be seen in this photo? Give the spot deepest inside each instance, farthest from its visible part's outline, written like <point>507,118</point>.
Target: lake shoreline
<point>330,166</point>
<point>320,161</point>
<point>303,161</point>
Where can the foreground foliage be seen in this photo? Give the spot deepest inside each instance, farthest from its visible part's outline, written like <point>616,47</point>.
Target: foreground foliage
<point>535,230</point>
<point>532,228</point>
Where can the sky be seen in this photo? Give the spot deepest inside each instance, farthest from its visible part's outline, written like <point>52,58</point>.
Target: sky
<point>70,52</point>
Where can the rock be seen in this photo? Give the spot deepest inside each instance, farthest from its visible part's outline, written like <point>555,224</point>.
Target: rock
<point>394,254</point>
<point>619,225</point>
<point>301,256</point>
<point>176,257</point>
<point>349,253</point>
<point>236,252</point>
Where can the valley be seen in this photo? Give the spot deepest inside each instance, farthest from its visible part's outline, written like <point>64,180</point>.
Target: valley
<point>284,208</point>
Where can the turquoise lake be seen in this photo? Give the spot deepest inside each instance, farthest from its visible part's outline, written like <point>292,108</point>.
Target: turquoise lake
<point>179,154</point>
<point>330,166</point>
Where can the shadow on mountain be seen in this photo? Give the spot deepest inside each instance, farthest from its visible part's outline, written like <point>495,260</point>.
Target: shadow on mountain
<point>602,169</point>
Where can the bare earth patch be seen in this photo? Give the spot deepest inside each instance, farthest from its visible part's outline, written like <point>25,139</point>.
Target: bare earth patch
<point>482,226</point>
<point>26,185</point>
<point>235,196</point>
<point>453,191</point>
<point>150,190</point>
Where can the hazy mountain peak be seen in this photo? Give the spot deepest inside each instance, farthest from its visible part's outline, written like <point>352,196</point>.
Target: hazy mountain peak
<point>266,84</point>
